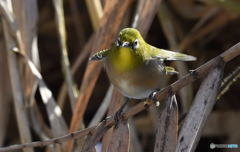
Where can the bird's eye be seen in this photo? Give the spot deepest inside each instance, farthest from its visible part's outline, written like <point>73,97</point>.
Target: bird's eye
<point>135,44</point>
<point>118,43</point>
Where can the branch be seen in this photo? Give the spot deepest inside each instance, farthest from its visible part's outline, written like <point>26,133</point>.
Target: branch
<point>198,73</point>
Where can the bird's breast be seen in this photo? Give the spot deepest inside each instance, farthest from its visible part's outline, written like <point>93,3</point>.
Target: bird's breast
<point>124,60</point>
<point>136,82</point>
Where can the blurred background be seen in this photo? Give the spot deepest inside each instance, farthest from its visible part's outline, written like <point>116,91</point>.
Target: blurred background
<point>49,29</point>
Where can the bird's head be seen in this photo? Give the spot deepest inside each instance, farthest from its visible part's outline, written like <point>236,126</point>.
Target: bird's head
<point>130,38</point>
<point>127,53</point>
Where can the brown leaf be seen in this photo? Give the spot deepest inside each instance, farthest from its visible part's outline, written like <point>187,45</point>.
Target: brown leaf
<point>116,102</point>
<point>117,138</point>
<point>167,127</point>
<point>120,141</point>
<point>200,110</point>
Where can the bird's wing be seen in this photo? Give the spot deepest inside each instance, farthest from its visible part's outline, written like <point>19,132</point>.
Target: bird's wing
<point>170,55</point>
<point>100,55</point>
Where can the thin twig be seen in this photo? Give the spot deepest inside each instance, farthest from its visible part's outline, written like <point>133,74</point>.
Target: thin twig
<point>228,81</point>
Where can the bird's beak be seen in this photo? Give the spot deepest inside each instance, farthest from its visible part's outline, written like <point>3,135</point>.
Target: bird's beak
<point>125,44</point>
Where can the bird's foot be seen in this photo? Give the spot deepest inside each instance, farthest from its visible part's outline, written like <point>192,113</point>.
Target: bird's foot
<point>118,117</point>
<point>152,96</point>
<point>105,119</point>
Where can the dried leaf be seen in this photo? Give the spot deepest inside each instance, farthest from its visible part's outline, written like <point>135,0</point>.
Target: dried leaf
<point>94,137</point>
<point>120,141</point>
<point>167,127</point>
<point>200,110</point>
<point>116,102</point>
<point>5,93</point>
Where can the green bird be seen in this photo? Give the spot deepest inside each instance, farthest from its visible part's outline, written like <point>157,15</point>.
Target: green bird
<point>135,67</point>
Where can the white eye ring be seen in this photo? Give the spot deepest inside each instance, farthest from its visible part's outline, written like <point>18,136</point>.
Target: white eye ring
<point>118,42</point>
<point>135,44</point>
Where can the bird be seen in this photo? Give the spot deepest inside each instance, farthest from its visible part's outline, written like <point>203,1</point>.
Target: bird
<point>135,67</point>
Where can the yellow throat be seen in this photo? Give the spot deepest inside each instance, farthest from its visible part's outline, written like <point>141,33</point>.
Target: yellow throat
<point>124,59</point>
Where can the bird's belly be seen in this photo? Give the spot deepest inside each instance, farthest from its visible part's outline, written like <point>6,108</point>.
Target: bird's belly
<point>138,83</point>
<point>134,91</point>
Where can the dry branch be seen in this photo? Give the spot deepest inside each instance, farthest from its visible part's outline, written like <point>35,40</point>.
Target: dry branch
<point>200,72</point>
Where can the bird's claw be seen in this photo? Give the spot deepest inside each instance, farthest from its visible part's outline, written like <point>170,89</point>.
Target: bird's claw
<point>118,117</point>
<point>152,96</point>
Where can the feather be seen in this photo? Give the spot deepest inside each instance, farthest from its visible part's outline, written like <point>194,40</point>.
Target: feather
<point>170,55</point>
